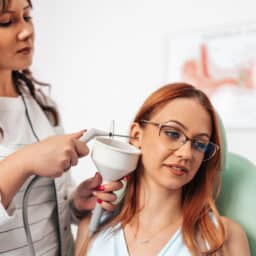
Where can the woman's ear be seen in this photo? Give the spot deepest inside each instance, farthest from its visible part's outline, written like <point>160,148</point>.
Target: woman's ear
<point>136,132</point>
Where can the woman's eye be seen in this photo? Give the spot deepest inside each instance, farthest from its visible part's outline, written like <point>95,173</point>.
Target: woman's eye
<point>5,24</point>
<point>201,146</point>
<point>9,23</point>
<point>27,18</point>
<point>173,134</point>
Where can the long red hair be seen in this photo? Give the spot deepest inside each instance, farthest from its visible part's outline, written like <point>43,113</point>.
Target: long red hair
<point>199,195</point>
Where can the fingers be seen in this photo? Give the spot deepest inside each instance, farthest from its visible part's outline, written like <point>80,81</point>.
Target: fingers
<point>110,186</point>
<point>81,148</point>
<point>72,156</point>
<point>106,205</point>
<point>77,135</point>
<point>91,191</point>
<point>85,188</point>
<point>108,197</point>
<point>76,149</point>
<point>93,182</point>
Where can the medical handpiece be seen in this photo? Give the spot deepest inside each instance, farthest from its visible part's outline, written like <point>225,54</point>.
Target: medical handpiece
<point>113,159</point>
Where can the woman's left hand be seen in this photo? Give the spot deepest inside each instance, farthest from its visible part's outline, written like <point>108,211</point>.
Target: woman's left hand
<point>91,191</point>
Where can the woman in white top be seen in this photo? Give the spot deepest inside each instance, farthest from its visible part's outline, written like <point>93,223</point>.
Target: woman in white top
<point>27,117</point>
<point>169,208</point>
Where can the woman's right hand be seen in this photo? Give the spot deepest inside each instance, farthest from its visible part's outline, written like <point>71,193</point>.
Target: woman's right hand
<point>54,155</point>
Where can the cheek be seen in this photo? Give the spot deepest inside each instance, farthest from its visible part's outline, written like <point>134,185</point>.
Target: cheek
<point>2,46</point>
<point>4,53</point>
<point>6,43</point>
<point>153,153</point>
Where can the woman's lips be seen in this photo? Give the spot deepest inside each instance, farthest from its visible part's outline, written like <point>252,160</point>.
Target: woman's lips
<point>176,169</point>
<point>25,50</point>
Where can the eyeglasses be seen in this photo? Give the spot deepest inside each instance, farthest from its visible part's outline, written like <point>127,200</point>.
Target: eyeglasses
<point>173,138</point>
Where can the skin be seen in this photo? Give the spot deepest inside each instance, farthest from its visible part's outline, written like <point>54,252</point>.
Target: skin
<point>157,158</point>
<point>14,37</point>
<point>60,152</point>
<point>161,185</point>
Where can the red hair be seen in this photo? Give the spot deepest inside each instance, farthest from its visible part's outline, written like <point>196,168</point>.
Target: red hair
<point>198,196</point>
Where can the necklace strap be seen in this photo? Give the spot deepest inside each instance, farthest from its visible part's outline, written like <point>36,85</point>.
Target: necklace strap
<point>150,238</point>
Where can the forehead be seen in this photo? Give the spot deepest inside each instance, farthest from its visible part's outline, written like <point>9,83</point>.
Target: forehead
<point>13,4</point>
<point>187,111</point>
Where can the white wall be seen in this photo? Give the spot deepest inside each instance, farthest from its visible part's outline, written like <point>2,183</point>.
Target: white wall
<point>104,57</point>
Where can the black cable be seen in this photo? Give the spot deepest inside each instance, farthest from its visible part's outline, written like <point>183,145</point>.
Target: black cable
<point>25,215</point>
<point>29,189</point>
<point>32,182</point>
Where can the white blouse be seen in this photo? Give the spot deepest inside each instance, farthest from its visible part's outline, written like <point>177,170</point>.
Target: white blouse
<point>110,243</point>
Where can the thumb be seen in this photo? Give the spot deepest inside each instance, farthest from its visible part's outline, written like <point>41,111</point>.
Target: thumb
<point>95,181</point>
<point>78,135</point>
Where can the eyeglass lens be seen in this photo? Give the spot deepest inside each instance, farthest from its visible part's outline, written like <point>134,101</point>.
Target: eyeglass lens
<point>174,139</point>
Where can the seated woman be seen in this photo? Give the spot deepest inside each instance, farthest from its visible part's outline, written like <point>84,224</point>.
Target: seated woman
<point>169,207</point>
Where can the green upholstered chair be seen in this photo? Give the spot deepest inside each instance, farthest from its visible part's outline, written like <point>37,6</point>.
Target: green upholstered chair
<point>237,199</point>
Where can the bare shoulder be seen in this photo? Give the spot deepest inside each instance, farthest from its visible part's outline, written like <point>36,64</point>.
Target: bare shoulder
<point>236,243</point>
<point>82,234</point>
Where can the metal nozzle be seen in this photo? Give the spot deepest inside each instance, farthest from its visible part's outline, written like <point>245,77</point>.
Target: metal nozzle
<point>112,132</point>
<point>120,135</point>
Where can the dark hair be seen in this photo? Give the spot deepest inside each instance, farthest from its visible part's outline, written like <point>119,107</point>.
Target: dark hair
<point>4,4</point>
<point>24,79</point>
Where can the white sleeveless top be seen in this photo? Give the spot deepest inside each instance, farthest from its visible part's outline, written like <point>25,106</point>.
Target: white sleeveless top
<point>110,243</point>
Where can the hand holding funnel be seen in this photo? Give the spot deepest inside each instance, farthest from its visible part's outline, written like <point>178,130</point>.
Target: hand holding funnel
<point>113,159</point>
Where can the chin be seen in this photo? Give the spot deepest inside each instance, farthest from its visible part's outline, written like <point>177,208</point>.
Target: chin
<point>175,187</point>
<point>172,185</point>
<point>175,184</point>
<point>22,66</point>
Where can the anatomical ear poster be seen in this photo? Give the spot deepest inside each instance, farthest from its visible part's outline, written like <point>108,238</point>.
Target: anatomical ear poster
<point>221,62</point>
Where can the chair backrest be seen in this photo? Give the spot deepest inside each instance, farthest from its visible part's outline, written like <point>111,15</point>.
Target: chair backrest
<point>237,199</point>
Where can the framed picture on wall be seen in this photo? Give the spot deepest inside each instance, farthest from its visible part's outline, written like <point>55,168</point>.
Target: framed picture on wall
<point>221,62</point>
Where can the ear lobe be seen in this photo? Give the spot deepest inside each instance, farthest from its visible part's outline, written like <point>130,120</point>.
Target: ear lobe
<point>137,133</point>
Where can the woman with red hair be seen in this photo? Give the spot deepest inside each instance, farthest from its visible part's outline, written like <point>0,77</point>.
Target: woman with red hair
<point>169,206</point>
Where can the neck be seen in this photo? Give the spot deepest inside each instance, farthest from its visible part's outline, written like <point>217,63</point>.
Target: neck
<point>6,84</point>
<point>161,202</point>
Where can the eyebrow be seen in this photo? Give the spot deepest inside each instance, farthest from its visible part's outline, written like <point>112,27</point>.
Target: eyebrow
<point>10,11</point>
<point>185,128</point>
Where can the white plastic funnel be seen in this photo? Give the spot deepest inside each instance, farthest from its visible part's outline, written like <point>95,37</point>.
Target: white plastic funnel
<point>114,160</point>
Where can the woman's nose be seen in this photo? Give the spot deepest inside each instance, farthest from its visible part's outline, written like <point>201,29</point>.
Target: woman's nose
<point>185,151</point>
<point>26,31</point>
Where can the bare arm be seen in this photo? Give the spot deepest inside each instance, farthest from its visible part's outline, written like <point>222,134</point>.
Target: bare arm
<point>236,243</point>
<point>82,235</point>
